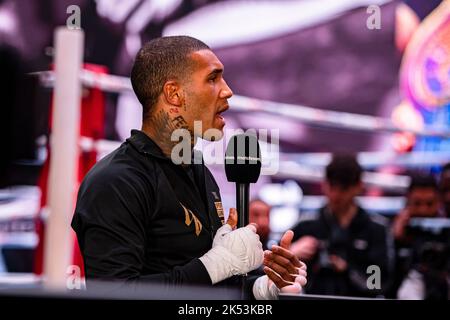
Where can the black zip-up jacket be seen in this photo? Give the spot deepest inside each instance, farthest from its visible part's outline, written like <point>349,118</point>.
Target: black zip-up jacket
<point>139,217</point>
<point>365,242</point>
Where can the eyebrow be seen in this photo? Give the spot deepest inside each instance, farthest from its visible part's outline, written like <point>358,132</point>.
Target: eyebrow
<point>215,71</point>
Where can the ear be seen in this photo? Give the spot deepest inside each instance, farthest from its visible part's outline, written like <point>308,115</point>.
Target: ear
<point>172,93</point>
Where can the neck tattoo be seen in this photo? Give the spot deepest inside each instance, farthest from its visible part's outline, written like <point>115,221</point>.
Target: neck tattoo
<point>162,127</point>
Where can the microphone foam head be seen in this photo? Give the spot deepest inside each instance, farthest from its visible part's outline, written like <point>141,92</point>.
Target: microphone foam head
<point>243,159</point>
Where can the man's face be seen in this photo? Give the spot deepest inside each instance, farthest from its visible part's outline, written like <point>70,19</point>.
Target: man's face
<point>423,202</point>
<point>339,197</point>
<point>259,213</point>
<point>206,93</point>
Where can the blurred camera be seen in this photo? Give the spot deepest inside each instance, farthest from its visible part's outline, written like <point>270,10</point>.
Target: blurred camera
<point>431,242</point>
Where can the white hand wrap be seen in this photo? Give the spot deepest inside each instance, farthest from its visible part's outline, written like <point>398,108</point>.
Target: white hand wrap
<point>233,252</point>
<point>262,290</point>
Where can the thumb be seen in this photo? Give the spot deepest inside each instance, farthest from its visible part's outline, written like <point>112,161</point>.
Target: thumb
<point>232,218</point>
<point>286,239</point>
<point>252,226</point>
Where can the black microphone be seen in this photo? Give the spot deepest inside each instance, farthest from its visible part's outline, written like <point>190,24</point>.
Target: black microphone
<point>243,166</point>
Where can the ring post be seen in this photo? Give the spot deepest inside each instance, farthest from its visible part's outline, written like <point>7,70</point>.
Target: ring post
<point>58,246</point>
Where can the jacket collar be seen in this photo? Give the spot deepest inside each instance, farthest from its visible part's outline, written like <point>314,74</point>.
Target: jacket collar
<point>358,220</point>
<point>144,144</point>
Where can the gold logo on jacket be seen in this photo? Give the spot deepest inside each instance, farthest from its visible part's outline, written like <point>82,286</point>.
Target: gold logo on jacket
<point>190,217</point>
<point>219,210</point>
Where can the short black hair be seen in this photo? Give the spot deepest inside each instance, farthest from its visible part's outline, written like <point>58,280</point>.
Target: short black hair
<point>344,171</point>
<point>160,60</point>
<point>423,181</point>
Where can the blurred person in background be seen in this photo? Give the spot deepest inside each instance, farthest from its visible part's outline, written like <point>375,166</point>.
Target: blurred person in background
<point>341,241</point>
<point>421,253</point>
<point>259,213</point>
<point>422,201</point>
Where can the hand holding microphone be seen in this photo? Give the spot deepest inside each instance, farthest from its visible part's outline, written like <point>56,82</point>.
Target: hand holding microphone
<point>233,252</point>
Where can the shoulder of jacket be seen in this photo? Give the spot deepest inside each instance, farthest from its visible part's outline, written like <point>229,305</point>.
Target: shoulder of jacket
<point>309,216</point>
<point>378,219</point>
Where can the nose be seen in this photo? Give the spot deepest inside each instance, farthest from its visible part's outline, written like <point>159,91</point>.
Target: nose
<point>226,92</point>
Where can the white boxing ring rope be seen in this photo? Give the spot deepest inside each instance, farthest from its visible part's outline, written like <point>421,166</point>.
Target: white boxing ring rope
<point>304,114</point>
<point>301,166</point>
<point>288,168</point>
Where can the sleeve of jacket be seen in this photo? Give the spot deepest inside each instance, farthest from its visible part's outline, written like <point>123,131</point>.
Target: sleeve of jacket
<point>110,221</point>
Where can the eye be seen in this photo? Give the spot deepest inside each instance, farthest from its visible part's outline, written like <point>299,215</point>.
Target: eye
<point>212,79</point>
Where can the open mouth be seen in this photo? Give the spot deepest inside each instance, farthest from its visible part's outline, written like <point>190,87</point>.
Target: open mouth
<point>222,110</point>
<point>219,115</point>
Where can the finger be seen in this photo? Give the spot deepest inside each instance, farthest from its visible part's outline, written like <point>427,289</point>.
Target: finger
<point>282,271</point>
<point>252,226</point>
<point>286,239</point>
<point>301,280</point>
<point>279,282</point>
<point>232,218</point>
<point>286,286</point>
<point>303,265</point>
<point>286,263</point>
<point>287,254</point>
<point>302,272</point>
